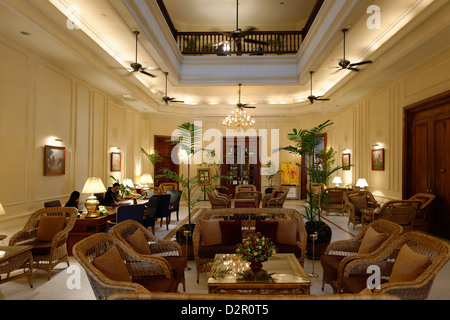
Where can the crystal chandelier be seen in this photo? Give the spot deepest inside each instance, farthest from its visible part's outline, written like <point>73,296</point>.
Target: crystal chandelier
<point>238,119</point>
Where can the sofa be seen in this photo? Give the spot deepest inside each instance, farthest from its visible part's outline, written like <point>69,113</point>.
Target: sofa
<point>221,230</point>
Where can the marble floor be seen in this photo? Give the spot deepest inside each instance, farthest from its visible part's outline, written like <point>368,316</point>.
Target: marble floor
<point>72,284</point>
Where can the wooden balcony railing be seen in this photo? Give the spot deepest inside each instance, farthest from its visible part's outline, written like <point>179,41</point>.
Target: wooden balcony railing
<point>204,43</point>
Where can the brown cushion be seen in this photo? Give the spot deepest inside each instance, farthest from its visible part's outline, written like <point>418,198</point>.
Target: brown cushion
<point>359,202</point>
<point>139,243</point>
<point>330,265</point>
<point>267,228</point>
<point>40,248</point>
<point>211,232</point>
<point>178,265</point>
<point>408,265</point>
<point>371,241</point>
<point>49,226</point>
<point>158,284</point>
<point>355,284</point>
<point>286,232</point>
<point>231,232</point>
<point>112,265</point>
<point>276,193</point>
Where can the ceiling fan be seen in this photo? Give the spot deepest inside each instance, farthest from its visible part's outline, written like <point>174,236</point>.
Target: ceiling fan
<point>311,97</point>
<point>344,64</point>
<point>168,99</point>
<point>238,36</point>
<point>136,66</point>
<point>243,105</point>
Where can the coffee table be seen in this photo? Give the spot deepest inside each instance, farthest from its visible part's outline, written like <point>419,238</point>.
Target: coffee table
<point>13,258</point>
<point>229,274</point>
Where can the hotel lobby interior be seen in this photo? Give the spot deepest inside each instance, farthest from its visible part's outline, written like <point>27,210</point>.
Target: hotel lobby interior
<point>102,84</point>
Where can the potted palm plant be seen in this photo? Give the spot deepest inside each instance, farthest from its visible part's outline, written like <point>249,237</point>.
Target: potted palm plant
<point>319,169</point>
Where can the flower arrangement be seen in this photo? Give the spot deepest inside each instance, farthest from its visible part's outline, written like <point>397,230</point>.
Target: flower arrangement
<point>102,211</point>
<point>256,247</point>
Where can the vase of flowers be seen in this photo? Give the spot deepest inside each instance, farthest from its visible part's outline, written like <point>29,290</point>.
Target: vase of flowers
<point>256,249</point>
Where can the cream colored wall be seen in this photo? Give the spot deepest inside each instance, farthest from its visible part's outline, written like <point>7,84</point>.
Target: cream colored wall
<point>378,118</point>
<point>40,100</point>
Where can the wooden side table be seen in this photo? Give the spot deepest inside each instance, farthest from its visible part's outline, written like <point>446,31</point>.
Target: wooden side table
<point>13,258</point>
<point>368,215</point>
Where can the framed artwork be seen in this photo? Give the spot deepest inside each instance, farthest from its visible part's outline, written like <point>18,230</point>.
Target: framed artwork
<point>346,161</point>
<point>290,174</point>
<point>204,176</point>
<point>116,161</point>
<point>378,160</point>
<point>54,161</point>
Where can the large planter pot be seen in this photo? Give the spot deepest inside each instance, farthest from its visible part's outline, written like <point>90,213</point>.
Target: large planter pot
<point>321,243</point>
<point>181,240</point>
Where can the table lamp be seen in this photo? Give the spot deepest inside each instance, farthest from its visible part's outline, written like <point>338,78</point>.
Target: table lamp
<point>362,183</point>
<point>337,181</point>
<point>93,185</point>
<point>146,180</point>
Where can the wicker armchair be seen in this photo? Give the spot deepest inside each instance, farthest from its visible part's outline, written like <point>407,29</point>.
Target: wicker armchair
<point>168,250</point>
<point>355,216</point>
<point>46,254</point>
<point>339,253</point>
<point>333,200</point>
<point>219,200</point>
<point>355,275</point>
<point>144,270</point>
<point>270,201</point>
<point>166,186</point>
<point>400,211</point>
<point>421,218</point>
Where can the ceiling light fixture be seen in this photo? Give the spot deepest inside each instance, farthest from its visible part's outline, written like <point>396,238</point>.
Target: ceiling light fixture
<point>239,120</point>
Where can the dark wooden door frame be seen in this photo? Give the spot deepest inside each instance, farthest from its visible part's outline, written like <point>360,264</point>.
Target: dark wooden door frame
<point>176,168</point>
<point>408,116</point>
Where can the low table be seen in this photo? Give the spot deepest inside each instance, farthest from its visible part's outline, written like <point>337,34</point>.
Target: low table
<point>244,203</point>
<point>229,274</point>
<point>368,215</point>
<point>13,258</point>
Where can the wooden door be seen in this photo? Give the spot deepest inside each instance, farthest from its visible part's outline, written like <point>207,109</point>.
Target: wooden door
<point>241,162</point>
<point>164,147</point>
<point>427,158</point>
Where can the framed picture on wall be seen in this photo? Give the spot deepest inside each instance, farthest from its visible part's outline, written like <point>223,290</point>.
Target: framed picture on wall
<point>116,161</point>
<point>346,161</point>
<point>54,161</point>
<point>378,160</point>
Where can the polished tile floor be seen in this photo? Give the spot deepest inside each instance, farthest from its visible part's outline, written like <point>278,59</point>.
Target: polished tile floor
<point>72,283</point>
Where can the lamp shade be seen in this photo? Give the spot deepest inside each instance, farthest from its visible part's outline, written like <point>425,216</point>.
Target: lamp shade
<point>337,180</point>
<point>362,183</point>
<point>2,211</point>
<point>146,178</point>
<point>94,185</point>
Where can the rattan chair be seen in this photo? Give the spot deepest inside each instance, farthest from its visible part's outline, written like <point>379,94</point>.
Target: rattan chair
<point>421,218</point>
<point>166,249</point>
<point>218,200</point>
<point>417,289</point>
<point>355,216</point>
<point>141,268</point>
<point>333,200</point>
<point>166,186</point>
<point>400,211</point>
<point>339,253</point>
<point>269,201</point>
<point>46,254</point>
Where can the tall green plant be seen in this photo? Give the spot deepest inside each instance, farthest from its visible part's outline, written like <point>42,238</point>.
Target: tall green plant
<point>319,164</point>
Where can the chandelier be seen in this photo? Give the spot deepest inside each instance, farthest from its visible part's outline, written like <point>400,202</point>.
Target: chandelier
<point>238,119</point>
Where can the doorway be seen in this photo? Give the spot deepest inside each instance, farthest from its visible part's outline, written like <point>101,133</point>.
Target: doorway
<point>164,146</point>
<point>426,153</point>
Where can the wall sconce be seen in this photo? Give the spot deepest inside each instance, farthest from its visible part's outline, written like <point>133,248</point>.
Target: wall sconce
<point>54,141</point>
<point>377,146</point>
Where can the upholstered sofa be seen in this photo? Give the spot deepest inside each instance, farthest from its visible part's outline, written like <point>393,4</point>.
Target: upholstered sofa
<point>221,230</point>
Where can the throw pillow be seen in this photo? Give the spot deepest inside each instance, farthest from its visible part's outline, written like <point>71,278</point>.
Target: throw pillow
<point>371,241</point>
<point>231,232</point>
<point>211,233</point>
<point>268,229</point>
<point>359,202</point>
<point>112,265</point>
<point>49,226</point>
<point>139,243</point>
<point>408,265</point>
<point>286,232</point>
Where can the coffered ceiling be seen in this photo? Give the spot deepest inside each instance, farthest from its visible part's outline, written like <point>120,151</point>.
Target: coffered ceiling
<point>97,43</point>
